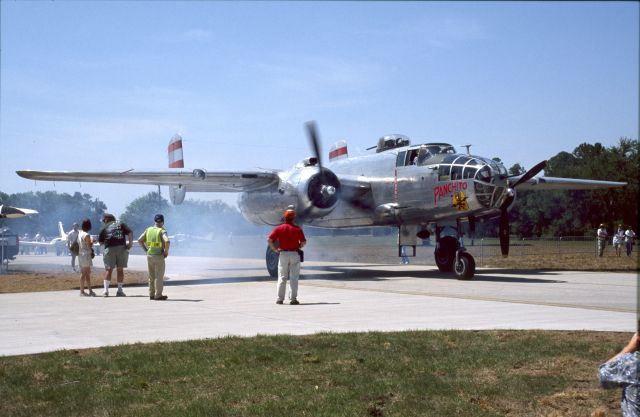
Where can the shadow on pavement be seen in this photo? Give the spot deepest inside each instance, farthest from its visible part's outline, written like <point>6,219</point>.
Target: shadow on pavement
<point>369,272</point>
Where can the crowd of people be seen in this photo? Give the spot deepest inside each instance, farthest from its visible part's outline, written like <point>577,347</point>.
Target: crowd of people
<point>286,239</point>
<point>621,238</point>
<point>117,239</point>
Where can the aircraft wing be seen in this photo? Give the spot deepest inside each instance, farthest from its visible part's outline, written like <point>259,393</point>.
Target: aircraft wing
<point>555,183</point>
<point>195,180</point>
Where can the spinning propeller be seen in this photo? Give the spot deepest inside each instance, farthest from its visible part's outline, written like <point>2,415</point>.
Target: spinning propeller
<point>323,188</point>
<point>504,215</point>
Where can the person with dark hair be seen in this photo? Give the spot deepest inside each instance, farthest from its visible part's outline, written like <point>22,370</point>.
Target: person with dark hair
<point>113,236</point>
<point>85,263</point>
<point>622,371</point>
<point>155,243</point>
<point>291,239</point>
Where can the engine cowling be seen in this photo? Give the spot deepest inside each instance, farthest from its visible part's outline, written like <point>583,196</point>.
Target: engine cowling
<point>318,192</point>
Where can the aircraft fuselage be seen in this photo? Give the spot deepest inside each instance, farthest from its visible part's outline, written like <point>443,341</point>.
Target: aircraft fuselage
<point>400,190</point>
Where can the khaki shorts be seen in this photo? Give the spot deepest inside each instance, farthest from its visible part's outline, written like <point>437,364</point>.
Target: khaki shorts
<point>115,257</point>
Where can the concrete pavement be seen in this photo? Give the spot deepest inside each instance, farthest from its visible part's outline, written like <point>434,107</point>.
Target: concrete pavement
<point>216,297</point>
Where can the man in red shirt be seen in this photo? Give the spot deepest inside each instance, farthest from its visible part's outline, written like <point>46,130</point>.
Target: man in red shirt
<point>290,238</point>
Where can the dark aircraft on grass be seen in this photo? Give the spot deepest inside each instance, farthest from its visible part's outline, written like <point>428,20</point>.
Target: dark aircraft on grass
<point>421,189</point>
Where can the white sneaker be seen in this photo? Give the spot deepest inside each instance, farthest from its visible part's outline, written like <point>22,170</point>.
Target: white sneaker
<point>105,294</point>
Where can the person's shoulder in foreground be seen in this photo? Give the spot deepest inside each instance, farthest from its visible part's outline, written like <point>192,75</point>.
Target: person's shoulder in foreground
<point>622,371</point>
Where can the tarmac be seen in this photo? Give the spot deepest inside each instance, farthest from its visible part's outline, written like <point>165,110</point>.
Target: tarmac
<point>218,297</point>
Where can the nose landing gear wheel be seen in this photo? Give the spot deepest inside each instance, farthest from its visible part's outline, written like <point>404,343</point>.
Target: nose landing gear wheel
<point>465,268</point>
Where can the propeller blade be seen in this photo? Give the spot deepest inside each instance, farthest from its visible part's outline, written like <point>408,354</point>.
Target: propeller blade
<point>312,131</point>
<point>504,232</point>
<point>504,214</point>
<point>531,173</point>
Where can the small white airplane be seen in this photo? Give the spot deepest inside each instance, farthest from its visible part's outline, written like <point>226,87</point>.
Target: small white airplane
<point>58,243</point>
<point>421,189</point>
<point>184,240</point>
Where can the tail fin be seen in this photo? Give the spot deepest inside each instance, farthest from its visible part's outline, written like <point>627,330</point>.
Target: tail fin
<point>61,229</point>
<point>338,150</point>
<point>176,160</point>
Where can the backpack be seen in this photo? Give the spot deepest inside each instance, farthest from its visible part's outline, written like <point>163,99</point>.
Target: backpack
<point>113,234</point>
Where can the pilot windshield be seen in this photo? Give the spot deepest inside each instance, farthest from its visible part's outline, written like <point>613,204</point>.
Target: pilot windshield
<point>423,155</point>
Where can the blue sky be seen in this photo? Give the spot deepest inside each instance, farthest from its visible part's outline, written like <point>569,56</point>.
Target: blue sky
<point>104,85</point>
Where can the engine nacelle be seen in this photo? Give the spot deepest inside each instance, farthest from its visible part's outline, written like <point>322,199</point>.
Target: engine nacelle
<point>177,194</point>
<point>318,192</point>
<point>313,195</point>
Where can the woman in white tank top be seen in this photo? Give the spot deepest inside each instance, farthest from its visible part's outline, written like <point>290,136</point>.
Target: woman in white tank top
<point>84,258</point>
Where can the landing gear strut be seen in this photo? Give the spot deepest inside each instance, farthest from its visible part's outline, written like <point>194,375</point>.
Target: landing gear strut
<point>445,253</point>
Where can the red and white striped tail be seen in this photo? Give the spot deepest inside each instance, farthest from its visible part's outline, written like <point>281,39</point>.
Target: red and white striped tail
<point>176,160</point>
<point>338,150</point>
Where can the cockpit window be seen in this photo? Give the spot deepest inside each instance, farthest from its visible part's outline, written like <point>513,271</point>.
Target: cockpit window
<point>484,174</point>
<point>469,172</point>
<point>448,159</point>
<point>401,158</point>
<point>462,167</point>
<point>456,172</point>
<point>499,168</point>
<point>444,172</point>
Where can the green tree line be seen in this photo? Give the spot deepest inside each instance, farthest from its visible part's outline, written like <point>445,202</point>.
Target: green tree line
<point>579,212</point>
<point>201,218</point>
<point>52,208</point>
<point>194,217</point>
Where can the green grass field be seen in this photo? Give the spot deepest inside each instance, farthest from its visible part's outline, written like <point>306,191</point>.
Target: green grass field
<point>421,373</point>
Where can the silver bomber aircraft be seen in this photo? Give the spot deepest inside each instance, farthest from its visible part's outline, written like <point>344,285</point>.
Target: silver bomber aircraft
<point>420,189</point>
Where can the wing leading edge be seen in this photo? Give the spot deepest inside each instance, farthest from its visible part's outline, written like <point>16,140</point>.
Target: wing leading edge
<point>196,180</point>
<point>555,183</point>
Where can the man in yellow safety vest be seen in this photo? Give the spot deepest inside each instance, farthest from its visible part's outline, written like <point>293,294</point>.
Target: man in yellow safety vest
<point>155,242</point>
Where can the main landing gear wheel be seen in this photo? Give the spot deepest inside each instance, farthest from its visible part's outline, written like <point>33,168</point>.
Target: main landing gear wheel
<point>465,268</point>
<point>445,253</point>
<point>272,259</point>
